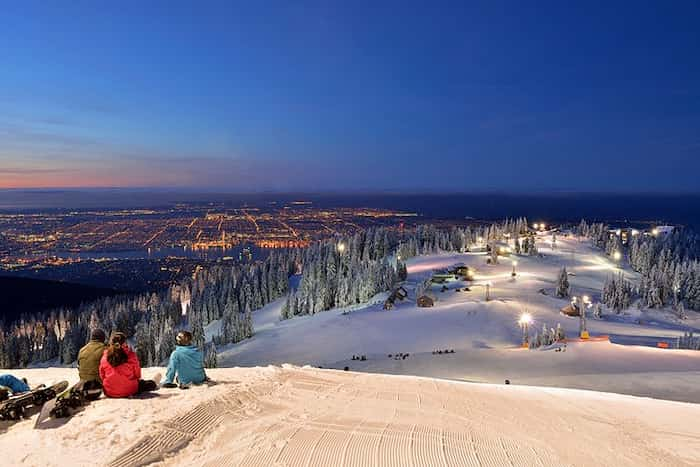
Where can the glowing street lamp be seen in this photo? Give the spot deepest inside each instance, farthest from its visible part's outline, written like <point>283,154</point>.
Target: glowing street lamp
<point>341,247</point>
<point>617,256</point>
<point>513,274</point>
<point>535,226</point>
<point>655,232</point>
<point>524,322</point>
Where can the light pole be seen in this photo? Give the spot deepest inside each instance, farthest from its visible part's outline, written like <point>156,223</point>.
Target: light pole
<point>488,291</point>
<point>582,303</point>
<point>524,322</point>
<point>513,273</point>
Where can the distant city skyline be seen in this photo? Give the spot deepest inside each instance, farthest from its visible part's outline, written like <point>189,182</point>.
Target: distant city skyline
<point>317,96</point>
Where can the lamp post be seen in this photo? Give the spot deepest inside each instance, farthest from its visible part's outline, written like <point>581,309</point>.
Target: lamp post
<point>488,291</point>
<point>524,322</point>
<point>341,247</point>
<point>513,273</point>
<point>582,303</point>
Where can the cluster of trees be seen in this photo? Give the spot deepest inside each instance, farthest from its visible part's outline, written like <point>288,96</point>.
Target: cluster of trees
<point>689,341</point>
<point>526,247</point>
<point>338,277</point>
<point>669,268</point>
<point>372,261</point>
<point>617,293</point>
<point>428,239</point>
<point>228,293</point>
<point>547,336</point>
<point>668,265</point>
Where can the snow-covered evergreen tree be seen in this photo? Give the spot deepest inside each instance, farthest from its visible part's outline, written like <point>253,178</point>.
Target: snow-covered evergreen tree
<point>563,283</point>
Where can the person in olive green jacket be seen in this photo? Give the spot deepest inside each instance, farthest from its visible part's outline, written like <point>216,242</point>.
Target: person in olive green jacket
<point>89,364</point>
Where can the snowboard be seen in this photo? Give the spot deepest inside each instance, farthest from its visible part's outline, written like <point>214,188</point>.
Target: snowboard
<point>65,403</point>
<point>15,407</point>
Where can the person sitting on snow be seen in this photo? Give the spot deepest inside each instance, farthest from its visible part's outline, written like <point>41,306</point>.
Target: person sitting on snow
<point>186,363</point>
<point>120,370</point>
<point>11,385</point>
<point>89,364</point>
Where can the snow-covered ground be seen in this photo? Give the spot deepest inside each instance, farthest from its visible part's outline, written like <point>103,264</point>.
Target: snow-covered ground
<point>485,335</point>
<point>271,415</point>
<point>310,417</point>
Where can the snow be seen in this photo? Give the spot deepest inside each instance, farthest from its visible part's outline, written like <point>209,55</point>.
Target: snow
<point>485,335</point>
<point>306,416</point>
<point>586,403</point>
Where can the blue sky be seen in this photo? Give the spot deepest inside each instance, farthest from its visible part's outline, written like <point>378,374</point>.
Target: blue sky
<point>410,96</point>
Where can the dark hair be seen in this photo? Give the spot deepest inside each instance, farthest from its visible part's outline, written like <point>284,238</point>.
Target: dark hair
<point>98,335</point>
<point>184,338</point>
<point>116,355</point>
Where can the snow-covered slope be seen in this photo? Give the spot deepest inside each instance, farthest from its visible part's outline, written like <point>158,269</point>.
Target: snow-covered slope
<point>311,417</point>
<point>485,335</point>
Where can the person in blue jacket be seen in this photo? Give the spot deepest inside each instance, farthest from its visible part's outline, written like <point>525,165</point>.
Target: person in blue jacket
<point>186,363</point>
<point>10,385</point>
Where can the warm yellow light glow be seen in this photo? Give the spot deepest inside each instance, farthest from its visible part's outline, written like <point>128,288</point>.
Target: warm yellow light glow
<point>617,255</point>
<point>525,318</point>
<point>341,247</point>
<point>655,232</point>
<point>535,226</point>
<point>515,263</point>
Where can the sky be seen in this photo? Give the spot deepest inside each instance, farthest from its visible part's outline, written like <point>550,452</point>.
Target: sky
<point>332,96</point>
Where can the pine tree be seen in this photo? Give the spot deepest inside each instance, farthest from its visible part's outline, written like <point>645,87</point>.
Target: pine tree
<point>563,283</point>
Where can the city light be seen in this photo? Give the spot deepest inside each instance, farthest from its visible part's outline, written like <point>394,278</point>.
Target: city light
<point>341,247</point>
<point>617,255</point>
<point>655,232</point>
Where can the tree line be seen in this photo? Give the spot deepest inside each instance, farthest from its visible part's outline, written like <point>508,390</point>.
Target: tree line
<point>668,265</point>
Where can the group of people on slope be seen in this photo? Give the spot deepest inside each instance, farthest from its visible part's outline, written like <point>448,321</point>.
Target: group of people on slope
<point>114,368</point>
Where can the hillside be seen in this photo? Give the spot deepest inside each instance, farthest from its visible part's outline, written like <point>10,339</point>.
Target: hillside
<point>485,334</point>
<point>310,417</point>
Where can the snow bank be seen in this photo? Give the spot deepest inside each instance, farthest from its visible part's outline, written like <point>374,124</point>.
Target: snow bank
<point>305,416</point>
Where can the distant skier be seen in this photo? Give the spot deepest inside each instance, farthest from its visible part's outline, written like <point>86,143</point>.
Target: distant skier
<point>120,370</point>
<point>11,385</point>
<point>186,363</point>
<point>89,364</point>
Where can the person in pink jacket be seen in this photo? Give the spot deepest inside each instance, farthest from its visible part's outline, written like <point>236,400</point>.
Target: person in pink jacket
<point>120,370</point>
